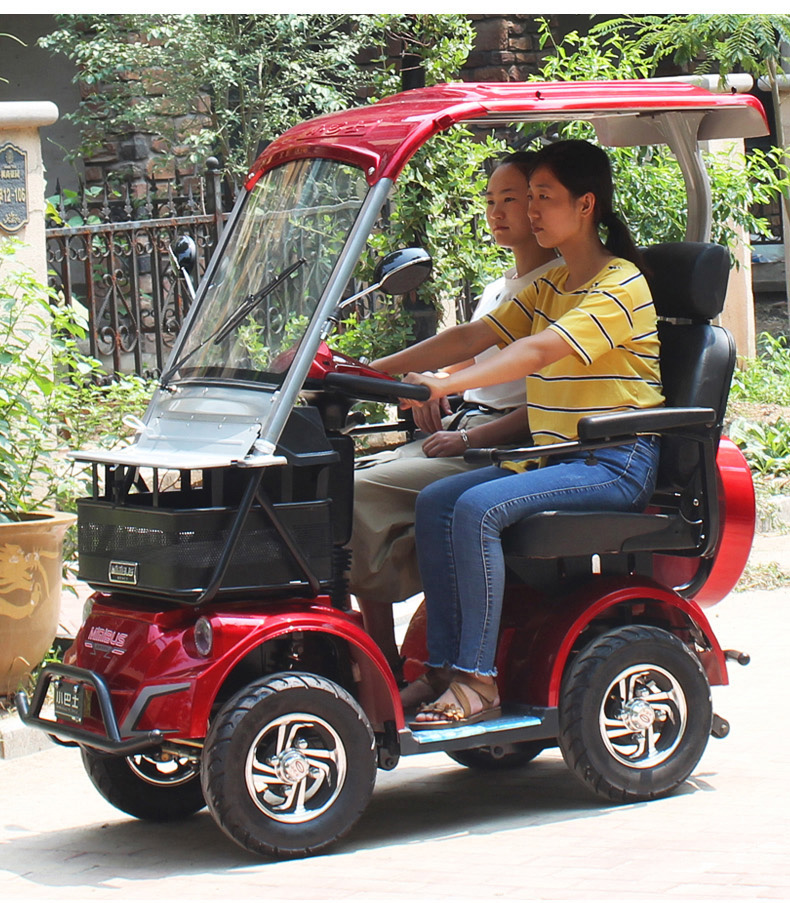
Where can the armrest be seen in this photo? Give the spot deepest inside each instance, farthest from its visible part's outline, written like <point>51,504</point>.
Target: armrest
<point>624,424</point>
<point>605,430</point>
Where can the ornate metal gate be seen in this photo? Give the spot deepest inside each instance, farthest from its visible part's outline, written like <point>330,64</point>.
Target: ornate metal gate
<point>111,255</point>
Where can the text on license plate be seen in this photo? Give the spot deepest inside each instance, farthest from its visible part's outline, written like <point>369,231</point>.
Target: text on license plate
<point>69,700</point>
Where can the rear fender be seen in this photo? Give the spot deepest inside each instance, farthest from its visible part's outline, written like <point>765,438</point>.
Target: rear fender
<point>535,650</point>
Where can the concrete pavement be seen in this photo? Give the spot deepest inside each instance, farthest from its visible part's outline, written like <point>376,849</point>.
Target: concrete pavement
<point>437,831</point>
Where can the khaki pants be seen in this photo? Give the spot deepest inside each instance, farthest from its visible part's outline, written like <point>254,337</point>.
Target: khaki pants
<point>386,485</point>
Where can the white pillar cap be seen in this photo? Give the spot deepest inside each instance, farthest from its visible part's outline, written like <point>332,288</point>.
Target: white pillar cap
<point>23,114</point>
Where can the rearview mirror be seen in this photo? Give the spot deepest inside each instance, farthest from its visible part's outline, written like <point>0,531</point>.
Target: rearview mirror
<point>185,252</point>
<point>395,274</point>
<point>402,271</point>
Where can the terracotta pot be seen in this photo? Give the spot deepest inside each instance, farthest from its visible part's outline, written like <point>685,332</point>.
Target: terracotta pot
<point>31,572</point>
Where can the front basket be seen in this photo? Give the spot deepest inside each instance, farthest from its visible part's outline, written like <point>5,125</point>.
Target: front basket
<point>173,552</point>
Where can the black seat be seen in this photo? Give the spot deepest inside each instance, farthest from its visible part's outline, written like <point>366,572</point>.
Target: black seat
<point>688,281</point>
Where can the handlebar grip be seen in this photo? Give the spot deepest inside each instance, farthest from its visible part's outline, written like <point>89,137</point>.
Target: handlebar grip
<point>378,388</point>
<point>409,390</point>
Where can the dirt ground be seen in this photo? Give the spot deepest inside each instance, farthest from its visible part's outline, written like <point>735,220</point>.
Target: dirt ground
<point>770,314</point>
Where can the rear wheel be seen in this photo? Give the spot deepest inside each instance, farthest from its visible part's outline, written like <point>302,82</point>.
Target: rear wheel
<point>155,786</point>
<point>635,714</point>
<point>289,765</point>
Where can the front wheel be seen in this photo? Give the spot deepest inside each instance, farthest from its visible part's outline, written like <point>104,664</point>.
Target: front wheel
<point>289,765</point>
<point>635,714</point>
<point>156,786</point>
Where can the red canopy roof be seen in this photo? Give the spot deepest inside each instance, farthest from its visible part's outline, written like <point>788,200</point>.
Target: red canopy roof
<point>382,137</point>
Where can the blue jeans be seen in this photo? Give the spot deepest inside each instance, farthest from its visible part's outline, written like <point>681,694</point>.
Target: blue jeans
<point>460,520</point>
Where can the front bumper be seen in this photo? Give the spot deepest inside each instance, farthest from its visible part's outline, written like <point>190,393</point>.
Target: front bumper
<point>112,740</point>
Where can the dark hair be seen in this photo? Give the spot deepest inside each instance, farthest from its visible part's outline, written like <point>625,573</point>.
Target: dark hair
<point>582,167</point>
<point>524,161</point>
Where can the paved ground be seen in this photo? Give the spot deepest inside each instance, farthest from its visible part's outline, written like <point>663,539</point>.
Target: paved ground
<point>437,831</point>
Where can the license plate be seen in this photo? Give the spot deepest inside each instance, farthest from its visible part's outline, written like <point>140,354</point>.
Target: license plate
<point>69,701</point>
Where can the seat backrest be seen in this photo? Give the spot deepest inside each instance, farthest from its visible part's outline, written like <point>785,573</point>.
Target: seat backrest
<point>688,281</point>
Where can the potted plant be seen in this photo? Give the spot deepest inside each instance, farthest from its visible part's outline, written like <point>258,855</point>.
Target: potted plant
<point>35,340</point>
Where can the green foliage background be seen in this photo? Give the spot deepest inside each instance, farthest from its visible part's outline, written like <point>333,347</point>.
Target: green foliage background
<point>737,182</point>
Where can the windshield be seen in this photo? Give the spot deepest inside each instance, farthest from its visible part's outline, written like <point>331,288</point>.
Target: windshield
<point>275,266</point>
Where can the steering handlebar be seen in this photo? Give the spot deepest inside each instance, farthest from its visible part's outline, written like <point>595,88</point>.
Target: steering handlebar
<point>369,387</point>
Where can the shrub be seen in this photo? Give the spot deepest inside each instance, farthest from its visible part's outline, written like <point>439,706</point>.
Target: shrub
<point>52,397</point>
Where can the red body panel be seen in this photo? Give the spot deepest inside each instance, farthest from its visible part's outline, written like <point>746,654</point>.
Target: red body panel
<point>158,651</point>
<point>737,518</point>
<point>534,653</point>
<point>539,632</point>
<point>328,361</point>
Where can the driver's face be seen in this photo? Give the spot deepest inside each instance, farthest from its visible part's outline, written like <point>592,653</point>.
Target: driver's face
<point>556,216</point>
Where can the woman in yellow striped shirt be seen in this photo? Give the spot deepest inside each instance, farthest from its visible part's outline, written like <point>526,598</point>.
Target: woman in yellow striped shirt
<point>584,336</point>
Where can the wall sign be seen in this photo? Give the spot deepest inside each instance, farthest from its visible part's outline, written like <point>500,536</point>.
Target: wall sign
<point>13,188</point>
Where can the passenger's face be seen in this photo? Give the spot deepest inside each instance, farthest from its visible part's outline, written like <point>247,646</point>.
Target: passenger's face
<point>555,215</point>
<point>507,204</point>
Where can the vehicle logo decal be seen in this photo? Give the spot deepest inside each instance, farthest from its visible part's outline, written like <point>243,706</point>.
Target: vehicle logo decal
<point>123,572</point>
<point>105,639</point>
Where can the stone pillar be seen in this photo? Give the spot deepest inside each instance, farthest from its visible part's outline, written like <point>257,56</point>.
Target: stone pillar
<point>22,179</point>
<point>781,93</point>
<point>738,313</point>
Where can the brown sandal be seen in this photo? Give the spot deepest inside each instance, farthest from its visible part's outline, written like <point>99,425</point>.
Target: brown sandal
<point>425,688</point>
<point>458,715</point>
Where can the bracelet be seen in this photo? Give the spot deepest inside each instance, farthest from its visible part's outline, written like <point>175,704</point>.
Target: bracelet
<point>465,437</point>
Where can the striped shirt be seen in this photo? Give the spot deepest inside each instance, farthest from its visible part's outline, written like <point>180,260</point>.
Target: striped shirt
<point>610,326</point>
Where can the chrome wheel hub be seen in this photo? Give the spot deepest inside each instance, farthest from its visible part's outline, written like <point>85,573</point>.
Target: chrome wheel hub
<point>163,768</point>
<point>643,716</point>
<point>638,715</point>
<point>291,766</point>
<point>295,768</point>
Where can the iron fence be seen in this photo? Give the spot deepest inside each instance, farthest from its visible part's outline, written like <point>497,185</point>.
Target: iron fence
<point>110,254</point>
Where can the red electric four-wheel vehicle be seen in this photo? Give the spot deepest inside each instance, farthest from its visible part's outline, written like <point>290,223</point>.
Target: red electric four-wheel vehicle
<point>219,664</point>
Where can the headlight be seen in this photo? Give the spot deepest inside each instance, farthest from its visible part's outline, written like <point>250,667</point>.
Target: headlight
<point>87,608</point>
<point>204,637</point>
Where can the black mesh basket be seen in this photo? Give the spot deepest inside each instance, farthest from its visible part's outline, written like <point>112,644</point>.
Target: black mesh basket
<point>173,552</point>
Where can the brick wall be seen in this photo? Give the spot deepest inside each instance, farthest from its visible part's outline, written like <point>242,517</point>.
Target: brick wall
<point>506,49</point>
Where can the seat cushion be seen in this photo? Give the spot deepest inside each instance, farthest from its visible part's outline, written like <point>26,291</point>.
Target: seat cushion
<point>558,534</point>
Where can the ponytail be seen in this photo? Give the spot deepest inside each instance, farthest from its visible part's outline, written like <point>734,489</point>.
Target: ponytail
<point>619,240</point>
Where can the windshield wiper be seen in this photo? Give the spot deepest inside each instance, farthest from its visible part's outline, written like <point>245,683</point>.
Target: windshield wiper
<point>252,301</point>
<point>244,309</point>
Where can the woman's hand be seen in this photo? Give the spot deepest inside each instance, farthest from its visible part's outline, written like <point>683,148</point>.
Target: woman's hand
<point>428,418</point>
<point>444,444</point>
<point>435,382</point>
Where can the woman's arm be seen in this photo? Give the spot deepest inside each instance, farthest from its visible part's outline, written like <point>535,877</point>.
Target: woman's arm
<point>452,368</point>
<point>450,346</point>
<point>519,359</point>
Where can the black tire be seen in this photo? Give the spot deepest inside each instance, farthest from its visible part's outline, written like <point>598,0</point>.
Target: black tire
<point>635,714</point>
<point>483,758</point>
<point>153,787</point>
<point>289,765</point>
